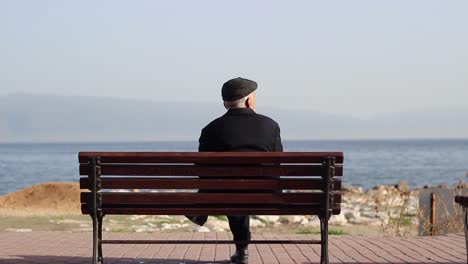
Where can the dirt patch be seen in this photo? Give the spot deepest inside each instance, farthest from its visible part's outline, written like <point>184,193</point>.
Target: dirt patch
<point>52,197</point>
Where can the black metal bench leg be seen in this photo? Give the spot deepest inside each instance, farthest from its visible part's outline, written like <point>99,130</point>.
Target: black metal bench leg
<point>100,257</point>
<point>324,240</point>
<point>97,237</point>
<point>95,240</point>
<point>328,173</point>
<point>96,213</point>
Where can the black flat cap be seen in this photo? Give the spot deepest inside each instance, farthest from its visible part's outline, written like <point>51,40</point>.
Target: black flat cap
<point>237,88</point>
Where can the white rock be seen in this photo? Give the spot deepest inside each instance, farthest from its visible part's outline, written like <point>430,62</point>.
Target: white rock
<point>368,214</point>
<point>395,201</point>
<point>350,215</point>
<point>383,217</point>
<point>256,223</point>
<point>297,219</point>
<point>136,217</point>
<point>338,220</point>
<point>164,216</point>
<point>18,230</point>
<point>70,221</point>
<point>147,220</point>
<point>394,214</point>
<point>218,225</point>
<point>269,218</point>
<point>412,211</point>
<point>304,221</point>
<point>313,222</point>
<point>312,217</point>
<point>413,201</point>
<point>357,200</point>
<point>201,229</point>
<point>84,229</point>
<point>167,226</point>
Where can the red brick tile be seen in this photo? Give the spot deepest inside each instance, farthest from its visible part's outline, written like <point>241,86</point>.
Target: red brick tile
<point>68,247</point>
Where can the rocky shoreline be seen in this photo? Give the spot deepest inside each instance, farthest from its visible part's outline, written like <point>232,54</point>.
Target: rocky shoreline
<point>375,207</point>
<point>378,208</point>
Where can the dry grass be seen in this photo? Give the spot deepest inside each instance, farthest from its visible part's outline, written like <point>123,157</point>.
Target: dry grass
<point>449,217</point>
<point>400,223</point>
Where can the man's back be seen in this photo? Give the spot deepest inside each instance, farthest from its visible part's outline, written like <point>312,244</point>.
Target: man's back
<point>241,129</point>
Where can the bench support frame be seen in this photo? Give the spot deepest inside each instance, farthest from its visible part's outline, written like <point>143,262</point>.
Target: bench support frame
<point>328,166</point>
<point>96,208</point>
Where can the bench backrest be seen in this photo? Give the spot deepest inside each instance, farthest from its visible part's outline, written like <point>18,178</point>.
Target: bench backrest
<point>167,182</point>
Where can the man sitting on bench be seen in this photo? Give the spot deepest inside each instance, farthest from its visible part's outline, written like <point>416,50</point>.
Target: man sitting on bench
<point>240,129</point>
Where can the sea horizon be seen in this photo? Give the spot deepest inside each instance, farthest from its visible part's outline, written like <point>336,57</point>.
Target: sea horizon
<point>196,140</point>
<point>367,163</point>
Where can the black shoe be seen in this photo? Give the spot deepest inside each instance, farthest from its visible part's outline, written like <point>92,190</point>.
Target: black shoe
<point>241,256</point>
<point>199,220</point>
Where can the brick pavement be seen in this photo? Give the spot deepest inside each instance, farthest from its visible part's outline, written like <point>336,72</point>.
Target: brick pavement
<point>69,247</point>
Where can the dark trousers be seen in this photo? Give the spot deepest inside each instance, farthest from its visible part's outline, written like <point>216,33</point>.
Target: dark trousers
<point>239,224</point>
<point>240,228</point>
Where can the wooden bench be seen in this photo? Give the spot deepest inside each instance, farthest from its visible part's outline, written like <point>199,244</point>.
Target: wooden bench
<point>297,183</point>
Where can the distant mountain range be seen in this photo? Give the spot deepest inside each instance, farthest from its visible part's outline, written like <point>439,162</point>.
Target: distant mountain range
<point>45,118</point>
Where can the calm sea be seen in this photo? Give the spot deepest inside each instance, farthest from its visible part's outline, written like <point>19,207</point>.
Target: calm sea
<point>367,162</point>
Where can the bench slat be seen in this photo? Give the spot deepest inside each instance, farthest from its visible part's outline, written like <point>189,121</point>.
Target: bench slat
<point>289,210</point>
<point>208,198</point>
<point>211,157</point>
<point>210,184</point>
<point>180,241</point>
<point>210,171</point>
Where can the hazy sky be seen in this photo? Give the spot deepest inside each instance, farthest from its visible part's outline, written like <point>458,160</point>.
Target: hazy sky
<point>359,58</point>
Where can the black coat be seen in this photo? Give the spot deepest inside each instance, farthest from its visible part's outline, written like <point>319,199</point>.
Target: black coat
<point>238,130</point>
<point>241,129</point>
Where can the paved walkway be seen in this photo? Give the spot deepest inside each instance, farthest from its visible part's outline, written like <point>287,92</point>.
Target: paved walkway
<point>68,247</point>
